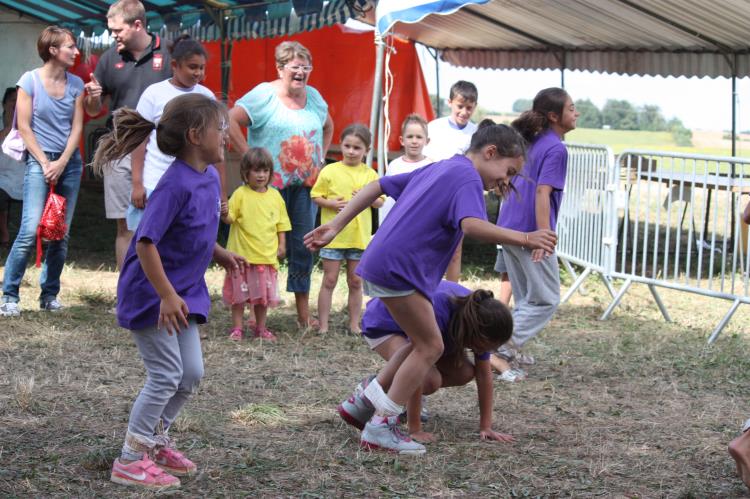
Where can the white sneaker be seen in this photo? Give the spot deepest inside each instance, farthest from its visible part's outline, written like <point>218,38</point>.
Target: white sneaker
<point>51,306</point>
<point>10,309</point>
<point>387,436</point>
<point>512,375</point>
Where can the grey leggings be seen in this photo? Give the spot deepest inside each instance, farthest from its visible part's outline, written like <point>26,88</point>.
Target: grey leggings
<point>174,367</point>
<point>536,291</point>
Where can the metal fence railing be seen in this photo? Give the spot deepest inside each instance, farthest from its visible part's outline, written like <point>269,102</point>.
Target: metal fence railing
<point>656,218</point>
<point>585,224</point>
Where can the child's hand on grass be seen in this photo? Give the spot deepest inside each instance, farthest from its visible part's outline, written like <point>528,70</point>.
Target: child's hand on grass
<point>495,436</point>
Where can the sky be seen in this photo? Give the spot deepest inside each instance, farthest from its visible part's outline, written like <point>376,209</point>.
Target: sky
<point>701,103</point>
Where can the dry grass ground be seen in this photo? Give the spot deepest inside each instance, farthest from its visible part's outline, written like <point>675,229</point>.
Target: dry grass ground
<point>631,407</point>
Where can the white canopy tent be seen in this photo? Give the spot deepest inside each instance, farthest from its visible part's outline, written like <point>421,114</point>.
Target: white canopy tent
<point>633,37</point>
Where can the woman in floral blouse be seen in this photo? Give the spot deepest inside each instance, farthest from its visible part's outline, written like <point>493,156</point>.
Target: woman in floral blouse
<point>291,120</point>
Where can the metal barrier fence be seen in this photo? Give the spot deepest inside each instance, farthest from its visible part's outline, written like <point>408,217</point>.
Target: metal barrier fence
<point>585,226</point>
<point>656,218</point>
<point>679,226</point>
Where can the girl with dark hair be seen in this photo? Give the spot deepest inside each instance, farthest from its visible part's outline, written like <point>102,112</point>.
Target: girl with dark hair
<point>409,254</point>
<point>534,274</point>
<point>162,293</point>
<point>467,320</point>
<point>148,162</point>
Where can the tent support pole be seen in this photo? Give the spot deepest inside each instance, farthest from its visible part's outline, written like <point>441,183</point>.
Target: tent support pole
<point>377,89</point>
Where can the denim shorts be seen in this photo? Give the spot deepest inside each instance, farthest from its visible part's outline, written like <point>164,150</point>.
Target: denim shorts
<point>341,253</point>
<point>377,291</point>
<point>133,215</point>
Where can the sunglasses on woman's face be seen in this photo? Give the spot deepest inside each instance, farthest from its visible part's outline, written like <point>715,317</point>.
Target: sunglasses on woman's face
<point>295,68</point>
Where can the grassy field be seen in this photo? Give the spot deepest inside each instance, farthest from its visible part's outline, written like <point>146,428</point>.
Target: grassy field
<point>630,407</point>
<point>710,143</point>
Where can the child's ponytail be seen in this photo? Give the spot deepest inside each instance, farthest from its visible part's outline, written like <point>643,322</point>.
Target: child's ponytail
<point>479,320</point>
<point>534,121</point>
<point>129,130</point>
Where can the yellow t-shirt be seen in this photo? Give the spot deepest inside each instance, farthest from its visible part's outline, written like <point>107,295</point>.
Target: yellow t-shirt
<point>340,181</point>
<point>257,218</point>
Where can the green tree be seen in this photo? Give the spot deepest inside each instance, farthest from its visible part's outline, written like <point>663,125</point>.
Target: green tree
<point>651,119</point>
<point>682,135</point>
<point>591,116</point>
<point>521,105</point>
<point>620,115</point>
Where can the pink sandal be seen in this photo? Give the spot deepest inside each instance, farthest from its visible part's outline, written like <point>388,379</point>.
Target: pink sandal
<point>264,334</point>
<point>236,334</point>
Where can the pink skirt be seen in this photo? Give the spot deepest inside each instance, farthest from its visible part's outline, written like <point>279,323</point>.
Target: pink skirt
<point>256,285</point>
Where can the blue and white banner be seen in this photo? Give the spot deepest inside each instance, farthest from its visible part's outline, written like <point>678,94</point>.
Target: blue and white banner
<point>389,12</point>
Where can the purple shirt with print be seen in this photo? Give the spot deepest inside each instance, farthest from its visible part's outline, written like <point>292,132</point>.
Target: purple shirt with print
<point>413,247</point>
<point>377,321</point>
<point>181,219</point>
<point>546,164</point>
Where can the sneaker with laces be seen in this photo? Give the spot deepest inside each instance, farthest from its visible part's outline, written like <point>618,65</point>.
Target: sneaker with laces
<point>51,306</point>
<point>143,473</point>
<point>512,375</point>
<point>387,436</point>
<point>357,410</point>
<point>236,334</point>
<point>174,462</point>
<point>10,309</point>
<point>264,334</point>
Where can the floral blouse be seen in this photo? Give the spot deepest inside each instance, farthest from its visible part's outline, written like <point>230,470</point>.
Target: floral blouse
<point>294,137</point>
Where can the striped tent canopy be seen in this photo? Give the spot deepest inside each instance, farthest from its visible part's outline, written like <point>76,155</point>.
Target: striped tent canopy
<point>205,20</point>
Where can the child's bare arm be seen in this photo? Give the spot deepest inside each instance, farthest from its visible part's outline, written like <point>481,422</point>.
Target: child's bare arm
<point>486,232</point>
<point>414,419</point>
<point>746,214</point>
<point>281,252</point>
<point>332,204</point>
<point>325,233</point>
<point>483,375</point>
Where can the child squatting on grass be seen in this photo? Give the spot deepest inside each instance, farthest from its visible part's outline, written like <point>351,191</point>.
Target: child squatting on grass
<point>162,293</point>
<point>407,258</point>
<point>258,224</point>
<point>335,187</point>
<point>473,320</point>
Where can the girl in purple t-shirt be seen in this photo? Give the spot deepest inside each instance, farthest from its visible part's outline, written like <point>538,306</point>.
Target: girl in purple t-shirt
<point>162,294</point>
<point>409,254</point>
<point>473,320</point>
<point>534,275</point>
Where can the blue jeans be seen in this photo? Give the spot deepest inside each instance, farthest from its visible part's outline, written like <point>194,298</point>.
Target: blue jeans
<point>35,191</point>
<point>301,211</point>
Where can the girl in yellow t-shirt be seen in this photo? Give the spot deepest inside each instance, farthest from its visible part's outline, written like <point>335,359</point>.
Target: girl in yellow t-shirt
<point>336,185</point>
<point>258,220</point>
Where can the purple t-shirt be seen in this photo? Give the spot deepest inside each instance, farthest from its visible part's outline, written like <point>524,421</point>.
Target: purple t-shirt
<point>377,321</point>
<point>413,247</point>
<point>181,218</point>
<point>547,164</point>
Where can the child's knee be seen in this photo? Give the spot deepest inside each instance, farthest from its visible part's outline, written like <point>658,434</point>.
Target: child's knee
<point>432,382</point>
<point>191,378</point>
<point>354,282</point>
<point>431,349</point>
<point>330,280</point>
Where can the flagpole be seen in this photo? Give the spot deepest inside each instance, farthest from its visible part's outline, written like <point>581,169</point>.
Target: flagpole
<point>377,90</point>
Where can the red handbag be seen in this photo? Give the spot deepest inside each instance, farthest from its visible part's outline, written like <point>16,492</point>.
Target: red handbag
<point>52,225</point>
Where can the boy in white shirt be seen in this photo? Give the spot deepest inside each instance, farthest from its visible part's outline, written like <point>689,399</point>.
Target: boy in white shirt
<point>451,134</point>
